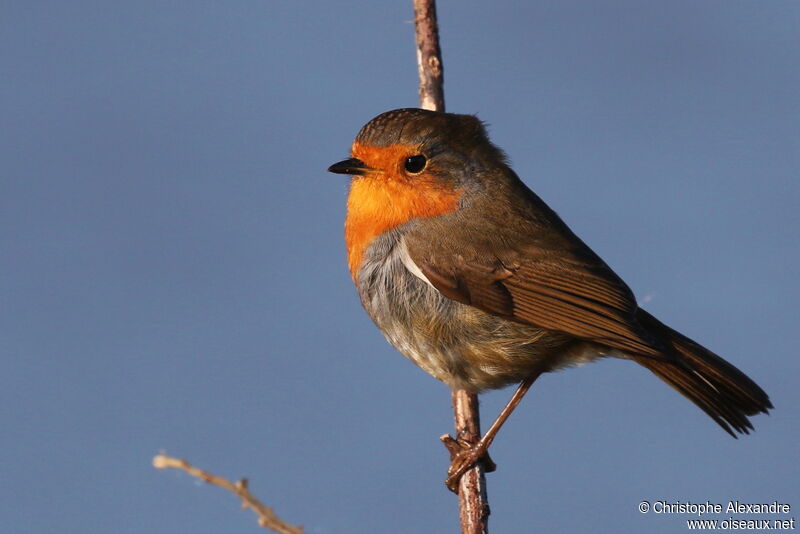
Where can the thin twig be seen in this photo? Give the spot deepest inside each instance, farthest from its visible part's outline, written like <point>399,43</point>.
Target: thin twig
<point>266,517</point>
<point>429,56</point>
<point>472,499</point>
<point>473,502</point>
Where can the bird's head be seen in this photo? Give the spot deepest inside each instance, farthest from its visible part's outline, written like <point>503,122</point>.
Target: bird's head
<point>410,164</point>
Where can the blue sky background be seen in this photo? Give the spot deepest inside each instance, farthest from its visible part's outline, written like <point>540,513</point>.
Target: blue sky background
<point>174,277</point>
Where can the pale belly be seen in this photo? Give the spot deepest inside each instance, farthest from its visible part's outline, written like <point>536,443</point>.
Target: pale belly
<point>462,346</point>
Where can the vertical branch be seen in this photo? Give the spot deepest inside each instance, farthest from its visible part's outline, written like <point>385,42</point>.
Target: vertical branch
<point>429,56</point>
<point>473,503</point>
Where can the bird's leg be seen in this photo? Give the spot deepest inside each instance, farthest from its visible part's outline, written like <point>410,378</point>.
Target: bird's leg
<point>464,459</point>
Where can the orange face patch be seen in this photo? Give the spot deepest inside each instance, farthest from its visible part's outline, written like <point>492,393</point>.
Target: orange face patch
<point>389,197</point>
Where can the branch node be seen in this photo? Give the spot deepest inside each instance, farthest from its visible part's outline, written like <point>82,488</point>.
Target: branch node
<point>266,517</point>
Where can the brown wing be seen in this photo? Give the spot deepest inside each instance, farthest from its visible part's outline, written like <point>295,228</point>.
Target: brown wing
<point>556,283</point>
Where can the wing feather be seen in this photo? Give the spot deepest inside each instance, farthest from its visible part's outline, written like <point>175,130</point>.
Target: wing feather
<point>576,295</point>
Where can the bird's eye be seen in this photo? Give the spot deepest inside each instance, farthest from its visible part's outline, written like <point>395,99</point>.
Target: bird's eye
<point>415,164</point>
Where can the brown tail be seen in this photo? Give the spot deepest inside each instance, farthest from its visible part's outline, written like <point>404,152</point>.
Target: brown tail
<point>717,387</point>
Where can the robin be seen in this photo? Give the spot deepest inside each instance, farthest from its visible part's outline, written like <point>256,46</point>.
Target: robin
<point>470,275</point>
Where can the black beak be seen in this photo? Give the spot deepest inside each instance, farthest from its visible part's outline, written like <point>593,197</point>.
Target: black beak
<point>349,166</point>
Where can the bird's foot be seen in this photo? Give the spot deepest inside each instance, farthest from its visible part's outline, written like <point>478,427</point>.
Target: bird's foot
<point>464,455</point>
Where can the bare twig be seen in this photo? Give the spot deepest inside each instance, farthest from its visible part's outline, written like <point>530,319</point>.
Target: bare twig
<point>429,56</point>
<point>266,517</point>
<point>473,502</point>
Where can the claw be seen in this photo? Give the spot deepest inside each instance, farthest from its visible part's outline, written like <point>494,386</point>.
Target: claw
<point>463,456</point>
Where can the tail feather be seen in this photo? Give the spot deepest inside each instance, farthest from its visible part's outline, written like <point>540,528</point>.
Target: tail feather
<point>718,388</point>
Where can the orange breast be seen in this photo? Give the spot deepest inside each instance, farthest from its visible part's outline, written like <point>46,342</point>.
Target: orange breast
<point>386,199</point>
